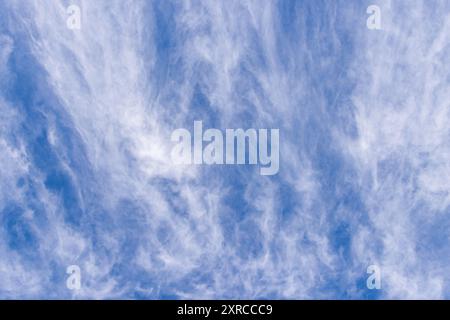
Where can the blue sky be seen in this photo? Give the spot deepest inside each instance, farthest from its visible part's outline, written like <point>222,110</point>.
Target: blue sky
<point>86,177</point>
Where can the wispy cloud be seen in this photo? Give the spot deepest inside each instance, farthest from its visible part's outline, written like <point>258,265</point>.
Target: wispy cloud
<point>86,176</point>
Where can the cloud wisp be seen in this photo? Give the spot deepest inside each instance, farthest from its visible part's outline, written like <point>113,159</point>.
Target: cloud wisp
<point>87,177</point>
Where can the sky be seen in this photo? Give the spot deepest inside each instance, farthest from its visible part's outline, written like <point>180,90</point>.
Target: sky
<point>86,177</point>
